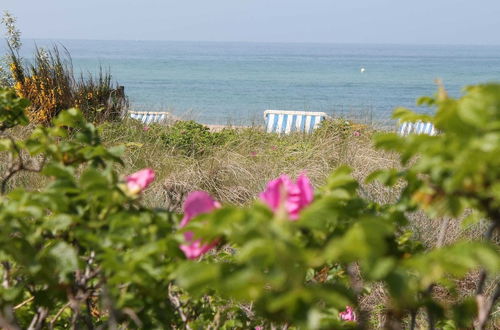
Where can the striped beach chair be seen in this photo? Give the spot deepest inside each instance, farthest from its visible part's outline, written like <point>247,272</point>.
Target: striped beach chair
<point>418,127</point>
<point>147,117</point>
<point>287,121</point>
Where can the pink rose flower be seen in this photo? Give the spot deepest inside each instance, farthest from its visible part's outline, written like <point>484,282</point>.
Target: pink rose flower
<point>197,202</point>
<point>139,181</point>
<point>293,197</point>
<point>348,314</point>
<point>259,327</point>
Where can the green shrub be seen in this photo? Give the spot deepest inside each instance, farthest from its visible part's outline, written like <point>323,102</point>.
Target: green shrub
<point>193,139</point>
<point>83,252</point>
<point>12,113</point>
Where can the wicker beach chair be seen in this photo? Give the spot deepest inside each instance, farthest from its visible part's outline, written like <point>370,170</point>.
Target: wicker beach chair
<point>419,127</point>
<point>287,121</point>
<point>147,117</point>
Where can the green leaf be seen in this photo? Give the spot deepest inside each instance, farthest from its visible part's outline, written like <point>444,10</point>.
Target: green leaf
<point>366,239</point>
<point>58,223</point>
<point>66,260</point>
<point>70,118</point>
<point>195,277</point>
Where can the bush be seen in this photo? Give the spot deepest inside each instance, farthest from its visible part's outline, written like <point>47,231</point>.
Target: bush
<point>51,87</point>
<point>193,139</point>
<point>83,251</point>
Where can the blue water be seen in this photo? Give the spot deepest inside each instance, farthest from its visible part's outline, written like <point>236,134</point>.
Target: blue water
<point>235,82</point>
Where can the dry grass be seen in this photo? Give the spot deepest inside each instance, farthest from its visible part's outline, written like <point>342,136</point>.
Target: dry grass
<point>238,170</point>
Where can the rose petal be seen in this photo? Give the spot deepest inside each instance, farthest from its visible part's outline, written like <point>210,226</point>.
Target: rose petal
<point>140,180</point>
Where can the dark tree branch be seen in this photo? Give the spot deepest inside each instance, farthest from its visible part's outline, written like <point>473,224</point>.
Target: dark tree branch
<point>482,277</point>
<point>16,167</point>
<point>109,305</point>
<point>38,320</point>
<point>6,274</point>
<point>484,304</point>
<point>430,316</point>
<point>413,319</point>
<point>357,286</point>
<point>485,308</point>
<point>174,299</point>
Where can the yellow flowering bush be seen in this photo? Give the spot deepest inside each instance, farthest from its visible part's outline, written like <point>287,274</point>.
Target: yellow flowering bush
<point>51,87</point>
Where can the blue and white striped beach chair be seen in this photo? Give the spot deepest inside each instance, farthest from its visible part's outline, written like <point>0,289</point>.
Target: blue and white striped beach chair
<point>287,121</point>
<point>148,117</point>
<point>418,127</point>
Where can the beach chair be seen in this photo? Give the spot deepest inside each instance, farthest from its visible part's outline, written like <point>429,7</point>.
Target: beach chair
<point>147,117</point>
<point>287,121</point>
<point>418,127</point>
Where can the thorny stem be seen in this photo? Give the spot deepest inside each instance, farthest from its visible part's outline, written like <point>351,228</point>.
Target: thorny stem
<point>430,316</point>
<point>430,319</point>
<point>38,320</point>
<point>486,305</point>
<point>6,274</point>
<point>109,305</point>
<point>357,285</point>
<point>413,319</point>
<point>439,244</point>
<point>174,298</point>
<point>82,293</point>
<point>18,166</point>
<point>482,278</point>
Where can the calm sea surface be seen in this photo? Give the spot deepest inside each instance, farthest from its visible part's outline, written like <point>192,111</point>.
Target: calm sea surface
<point>235,82</point>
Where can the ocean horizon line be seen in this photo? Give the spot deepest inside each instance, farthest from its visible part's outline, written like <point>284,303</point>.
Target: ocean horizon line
<point>272,42</point>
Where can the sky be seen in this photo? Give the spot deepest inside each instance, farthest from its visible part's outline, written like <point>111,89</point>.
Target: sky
<point>324,21</point>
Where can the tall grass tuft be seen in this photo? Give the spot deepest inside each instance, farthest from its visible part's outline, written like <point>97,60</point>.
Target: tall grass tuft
<point>100,99</point>
<point>49,83</point>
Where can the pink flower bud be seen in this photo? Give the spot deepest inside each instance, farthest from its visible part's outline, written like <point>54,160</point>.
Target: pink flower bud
<point>293,197</point>
<point>139,181</point>
<point>348,314</point>
<point>197,202</point>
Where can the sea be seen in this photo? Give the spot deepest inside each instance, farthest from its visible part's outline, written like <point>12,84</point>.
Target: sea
<point>234,82</point>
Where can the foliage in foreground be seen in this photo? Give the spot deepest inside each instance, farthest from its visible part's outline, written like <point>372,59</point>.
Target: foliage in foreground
<point>84,252</point>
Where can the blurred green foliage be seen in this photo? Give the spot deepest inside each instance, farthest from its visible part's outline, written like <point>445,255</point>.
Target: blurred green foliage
<point>83,252</point>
